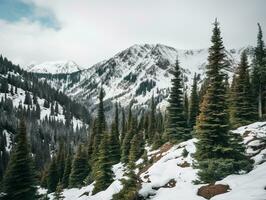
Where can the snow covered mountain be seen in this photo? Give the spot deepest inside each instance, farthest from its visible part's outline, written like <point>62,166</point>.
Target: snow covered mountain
<point>137,73</point>
<point>57,67</point>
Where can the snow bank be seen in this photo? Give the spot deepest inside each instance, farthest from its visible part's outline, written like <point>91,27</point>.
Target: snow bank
<point>84,193</point>
<point>245,187</point>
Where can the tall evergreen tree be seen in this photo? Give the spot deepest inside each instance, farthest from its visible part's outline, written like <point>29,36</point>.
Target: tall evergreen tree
<point>19,181</point>
<point>152,121</point>
<point>243,110</point>
<point>176,124</point>
<point>194,103</point>
<point>52,178</point>
<point>103,172</point>
<point>123,127</point>
<point>131,184</point>
<point>157,141</point>
<point>38,111</point>
<point>4,86</point>
<point>60,161</point>
<point>216,155</point>
<point>128,137</point>
<point>56,108</point>
<point>186,108</point>
<point>67,171</point>
<point>80,168</point>
<point>114,145</point>
<point>92,134</point>
<point>116,120</point>
<point>27,99</point>
<point>58,192</point>
<point>259,72</point>
<point>101,123</point>
<point>129,120</point>
<point>135,147</point>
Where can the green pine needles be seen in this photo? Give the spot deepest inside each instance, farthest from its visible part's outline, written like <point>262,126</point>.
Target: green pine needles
<point>19,180</point>
<point>218,153</point>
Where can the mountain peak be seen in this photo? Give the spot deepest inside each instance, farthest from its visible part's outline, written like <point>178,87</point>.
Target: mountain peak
<point>54,67</point>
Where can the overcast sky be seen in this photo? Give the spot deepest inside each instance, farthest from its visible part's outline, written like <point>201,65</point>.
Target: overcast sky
<point>88,31</point>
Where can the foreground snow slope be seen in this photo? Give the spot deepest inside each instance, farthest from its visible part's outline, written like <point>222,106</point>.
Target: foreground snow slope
<point>171,166</point>
<point>84,193</point>
<point>247,186</point>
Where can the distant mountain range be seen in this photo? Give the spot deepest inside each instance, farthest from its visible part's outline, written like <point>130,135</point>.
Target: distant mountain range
<point>134,74</point>
<point>57,67</point>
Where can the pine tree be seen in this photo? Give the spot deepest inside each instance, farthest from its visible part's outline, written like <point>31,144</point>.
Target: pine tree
<point>259,72</point>
<point>116,120</point>
<point>146,125</point>
<point>152,121</point>
<point>19,181</point>
<point>176,124</point>
<point>35,100</point>
<point>123,128</point>
<point>52,179</point>
<point>38,111</point>
<point>134,149</point>
<point>129,120</point>
<point>58,192</point>
<point>130,188</point>
<point>131,184</point>
<point>60,161</point>
<point>92,134</point>
<point>80,168</point>
<point>160,122</point>
<point>157,141</point>
<point>56,109</point>
<point>4,86</point>
<point>28,100</point>
<point>243,110</point>
<point>194,103</point>
<point>186,109</point>
<point>215,152</point>
<point>101,123</point>
<point>114,145</point>
<point>67,171</point>
<point>126,143</point>
<point>52,108</point>
<point>103,172</point>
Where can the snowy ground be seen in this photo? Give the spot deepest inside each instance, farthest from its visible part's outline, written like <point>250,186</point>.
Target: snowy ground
<point>171,165</point>
<point>84,193</point>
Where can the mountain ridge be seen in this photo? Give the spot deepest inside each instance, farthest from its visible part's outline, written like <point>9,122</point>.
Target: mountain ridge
<point>54,67</point>
<point>137,73</point>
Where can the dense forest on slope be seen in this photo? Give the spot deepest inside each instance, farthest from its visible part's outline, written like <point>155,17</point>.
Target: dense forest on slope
<point>50,116</point>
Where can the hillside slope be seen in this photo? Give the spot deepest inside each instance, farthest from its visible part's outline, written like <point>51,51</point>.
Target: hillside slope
<point>170,176</point>
<point>51,117</point>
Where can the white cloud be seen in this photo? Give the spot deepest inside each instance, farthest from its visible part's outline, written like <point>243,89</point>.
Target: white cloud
<point>92,30</point>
